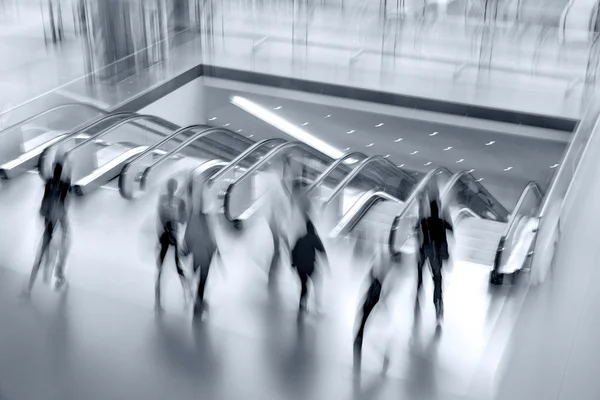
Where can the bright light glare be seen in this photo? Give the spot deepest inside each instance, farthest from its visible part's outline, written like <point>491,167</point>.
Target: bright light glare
<point>398,140</point>
<point>448,148</point>
<point>287,127</point>
<point>433,134</point>
<point>490,143</point>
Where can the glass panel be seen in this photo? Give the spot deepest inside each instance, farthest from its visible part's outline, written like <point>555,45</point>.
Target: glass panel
<point>466,192</point>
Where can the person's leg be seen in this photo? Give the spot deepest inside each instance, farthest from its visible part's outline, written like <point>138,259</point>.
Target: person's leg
<point>184,282</point>
<point>62,253</point>
<point>371,300</point>
<point>200,304</point>
<point>420,262</point>
<point>436,272</point>
<point>42,254</point>
<point>276,256</point>
<point>303,291</point>
<point>164,248</point>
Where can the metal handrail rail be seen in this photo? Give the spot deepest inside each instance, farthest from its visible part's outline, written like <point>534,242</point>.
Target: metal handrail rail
<point>104,132</point>
<point>74,134</point>
<point>357,170</point>
<point>511,225</point>
<point>256,166</point>
<point>423,185</point>
<point>358,209</point>
<point>239,158</point>
<point>333,167</point>
<point>41,114</point>
<point>456,177</point>
<point>199,135</point>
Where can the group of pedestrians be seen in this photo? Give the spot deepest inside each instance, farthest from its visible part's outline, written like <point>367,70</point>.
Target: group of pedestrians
<point>185,226</point>
<point>432,249</point>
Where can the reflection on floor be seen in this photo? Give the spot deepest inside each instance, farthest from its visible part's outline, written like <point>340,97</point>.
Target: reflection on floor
<point>100,338</point>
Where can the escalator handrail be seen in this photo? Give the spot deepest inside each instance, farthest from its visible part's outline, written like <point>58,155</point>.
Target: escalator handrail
<point>357,170</point>
<point>42,113</point>
<point>208,130</point>
<point>359,209</point>
<point>239,158</point>
<point>423,185</point>
<point>457,176</point>
<point>256,166</point>
<point>93,138</point>
<point>74,134</point>
<point>333,167</point>
<point>512,222</point>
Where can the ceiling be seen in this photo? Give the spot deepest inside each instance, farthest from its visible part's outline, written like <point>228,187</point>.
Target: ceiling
<point>503,162</point>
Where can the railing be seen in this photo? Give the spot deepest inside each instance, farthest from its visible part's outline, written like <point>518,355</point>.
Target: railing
<point>236,161</point>
<point>411,202</point>
<point>359,209</point>
<point>248,173</point>
<point>45,160</point>
<point>357,170</point>
<point>94,138</point>
<point>500,213</point>
<point>549,227</point>
<point>199,135</point>
<point>523,208</point>
<point>332,168</point>
<point>126,176</point>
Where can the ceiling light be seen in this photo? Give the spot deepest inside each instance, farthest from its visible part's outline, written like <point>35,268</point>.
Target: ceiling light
<point>398,140</point>
<point>461,160</point>
<point>304,124</point>
<point>448,148</point>
<point>401,165</point>
<point>433,134</point>
<point>427,163</point>
<point>239,130</point>
<point>508,169</point>
<point>327,116</point>
<point>471,171</point>
<point>347,149</point>
<point>479,180</point>
<point>554,166</point>
<point>250,135</point>
<point>226,125</point>
<point>277,108</point>
<point>386,156</point>
<point>490,143</point>
<point>370,144</point>
<point>350,131</point>
<point>287,127</point>
<point>379,125</point>
<point>212,119</point>
<point>414,152</point>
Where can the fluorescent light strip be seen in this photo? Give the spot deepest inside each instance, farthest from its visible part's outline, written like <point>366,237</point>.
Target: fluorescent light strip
<point>287,127</point>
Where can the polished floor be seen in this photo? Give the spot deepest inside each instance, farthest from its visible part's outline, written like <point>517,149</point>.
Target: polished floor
<point>101,339</point>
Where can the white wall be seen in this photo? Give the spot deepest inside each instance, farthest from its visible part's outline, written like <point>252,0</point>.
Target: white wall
<point>185,106</point>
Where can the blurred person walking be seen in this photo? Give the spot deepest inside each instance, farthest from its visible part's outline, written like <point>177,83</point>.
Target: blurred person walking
<point>433,247</point>
<point>200,243</point>
<point>382,264</point>
<point>171,213</point>
<point>304,259</point>
<point>54,212</point>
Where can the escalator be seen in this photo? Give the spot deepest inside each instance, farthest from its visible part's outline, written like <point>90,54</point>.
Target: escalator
<point>358,195</point>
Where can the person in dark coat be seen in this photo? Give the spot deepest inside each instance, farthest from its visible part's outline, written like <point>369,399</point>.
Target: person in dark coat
<point>433,247</point>
<point>304,257</point>
<point>54,212</point>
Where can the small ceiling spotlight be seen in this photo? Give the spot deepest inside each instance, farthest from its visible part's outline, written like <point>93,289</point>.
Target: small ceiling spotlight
<point>212,118</point>
<point>490,143</point>
<point>350,132</point>
<point>414,152</point>
<point>461,160</point>
<point>398,140</point>
<point>433,134</point>
<point>277,108</point>
<point>448,148</point>
<point>370,144</point>
<point>379,125</point>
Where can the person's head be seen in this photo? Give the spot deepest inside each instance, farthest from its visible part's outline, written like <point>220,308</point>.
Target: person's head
<point>171,186</point>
